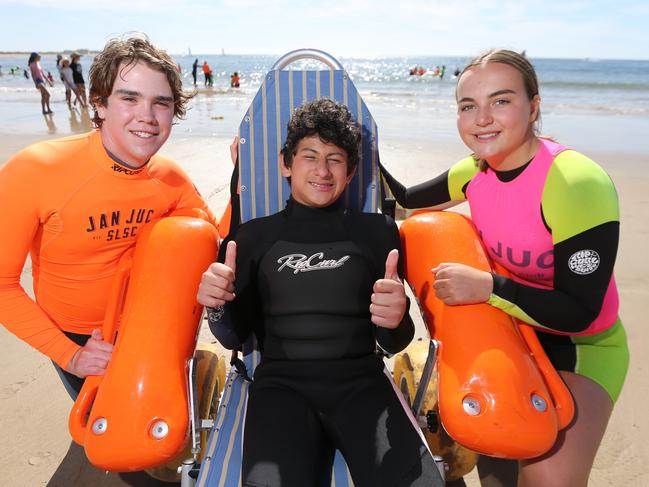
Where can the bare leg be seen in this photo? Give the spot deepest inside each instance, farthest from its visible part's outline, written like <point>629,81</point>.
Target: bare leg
<point>570,460</point>
<point>77,97</point>
<point>497,472</point>
<point>81,92</point>
<point>45,99</point>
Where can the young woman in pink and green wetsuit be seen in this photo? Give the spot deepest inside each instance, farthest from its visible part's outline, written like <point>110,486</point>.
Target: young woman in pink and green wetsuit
<point>550,216</point>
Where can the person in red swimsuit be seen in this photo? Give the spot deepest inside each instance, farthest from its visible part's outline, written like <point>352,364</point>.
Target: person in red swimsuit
<point>76,204</point>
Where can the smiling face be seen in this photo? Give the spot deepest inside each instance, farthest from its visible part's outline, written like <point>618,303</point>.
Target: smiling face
<point>495,115</point>
<point>318,172</point>
<point>137,115</point>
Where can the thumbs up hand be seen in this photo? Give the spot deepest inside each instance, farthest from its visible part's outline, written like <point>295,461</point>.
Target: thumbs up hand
<point>217,283</point>
<point>389,298</point>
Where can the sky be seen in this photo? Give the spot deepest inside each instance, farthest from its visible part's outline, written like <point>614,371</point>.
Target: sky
<point>617,29</point>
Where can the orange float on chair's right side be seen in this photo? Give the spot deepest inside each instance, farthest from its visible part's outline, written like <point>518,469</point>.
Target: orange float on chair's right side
<point>492,397</point>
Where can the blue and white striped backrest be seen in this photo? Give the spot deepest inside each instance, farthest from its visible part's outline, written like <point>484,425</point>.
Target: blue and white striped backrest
<point>263,130</point>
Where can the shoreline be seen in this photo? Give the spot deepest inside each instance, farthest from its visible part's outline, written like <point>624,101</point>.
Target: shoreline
<point>218,114</point>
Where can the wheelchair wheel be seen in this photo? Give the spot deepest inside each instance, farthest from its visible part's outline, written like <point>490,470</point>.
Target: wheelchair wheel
<point>210,379</point>
<point>408,368</point>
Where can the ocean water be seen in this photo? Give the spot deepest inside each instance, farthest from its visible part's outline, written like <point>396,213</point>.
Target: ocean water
<point>608,97</point>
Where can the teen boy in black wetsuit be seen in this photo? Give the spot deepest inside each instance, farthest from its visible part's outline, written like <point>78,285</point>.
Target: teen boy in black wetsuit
<point>319,286</point>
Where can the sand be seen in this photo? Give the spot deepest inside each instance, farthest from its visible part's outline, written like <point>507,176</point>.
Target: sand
<point>34,407</point>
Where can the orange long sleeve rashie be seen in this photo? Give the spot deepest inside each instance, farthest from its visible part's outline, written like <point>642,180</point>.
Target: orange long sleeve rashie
<point>75,210</point>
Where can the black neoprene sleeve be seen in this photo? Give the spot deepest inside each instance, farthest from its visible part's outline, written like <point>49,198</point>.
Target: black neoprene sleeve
<point>576,299</point>
<point>430,193</point>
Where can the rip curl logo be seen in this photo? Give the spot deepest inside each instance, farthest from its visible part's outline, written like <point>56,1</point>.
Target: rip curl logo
<point>302,263</point>
<point>127,171</point>
<point>584,262</point>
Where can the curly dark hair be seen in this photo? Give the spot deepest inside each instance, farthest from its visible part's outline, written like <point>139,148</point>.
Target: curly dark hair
<point>106,67</point>
<point>330,121</point>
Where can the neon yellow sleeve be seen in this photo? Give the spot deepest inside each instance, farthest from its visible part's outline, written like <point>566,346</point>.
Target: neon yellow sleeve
<point>459,175</point>
<point>578,195</point>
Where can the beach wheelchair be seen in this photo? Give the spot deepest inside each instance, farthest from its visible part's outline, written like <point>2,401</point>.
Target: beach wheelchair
<point>258,189</point>
<point>499,376</point>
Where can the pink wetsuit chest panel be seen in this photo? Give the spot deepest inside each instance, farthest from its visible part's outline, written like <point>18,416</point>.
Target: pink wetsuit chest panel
<point>509,218</point>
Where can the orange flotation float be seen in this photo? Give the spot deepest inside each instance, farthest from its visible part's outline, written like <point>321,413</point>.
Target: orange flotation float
<point>498,393</point>
<point>136,415</point>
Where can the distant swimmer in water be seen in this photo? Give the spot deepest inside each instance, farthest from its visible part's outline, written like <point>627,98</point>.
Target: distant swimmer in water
<point>417,71</point>
<point>234,80</point>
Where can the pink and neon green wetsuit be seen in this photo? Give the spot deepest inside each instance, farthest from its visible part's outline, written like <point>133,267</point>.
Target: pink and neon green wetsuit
<point>522,242</point>
<point>554,225</point>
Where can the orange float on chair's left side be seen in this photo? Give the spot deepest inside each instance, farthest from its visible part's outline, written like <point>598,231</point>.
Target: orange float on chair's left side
<point>136,415</point>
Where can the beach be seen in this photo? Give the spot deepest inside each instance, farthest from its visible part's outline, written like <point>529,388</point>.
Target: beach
<point>34,406</point>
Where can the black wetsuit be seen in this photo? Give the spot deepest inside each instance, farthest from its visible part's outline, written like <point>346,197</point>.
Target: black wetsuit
<point>304,279</point>
<point>77,73</point>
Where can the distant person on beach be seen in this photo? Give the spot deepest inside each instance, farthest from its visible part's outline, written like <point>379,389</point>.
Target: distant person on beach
<point>320,384</point>
<point>550,216</point>
<point>195,70</point>
<point>40,79</point>
<point>68,89</point>
<point>70,86</point>
<point>76,204</point>
<point>59,58</point>
<point>207,72</point>
<point>234,80</point>
<point>77,72</point>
